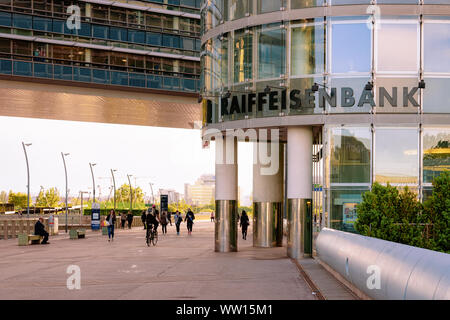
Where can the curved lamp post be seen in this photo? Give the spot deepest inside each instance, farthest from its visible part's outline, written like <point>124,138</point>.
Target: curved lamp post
<point>93,180</point>
<point>114,184</point>
<point>63,155</point>
<point>24,145</point>
<point>131,191</point>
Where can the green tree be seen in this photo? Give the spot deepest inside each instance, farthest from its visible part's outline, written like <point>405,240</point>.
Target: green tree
<point>3,197</point>
<point>18,199</point>
<point>49,198</point>
<point>124,193</point>
<point>437,213</point>
<point>388,214</point>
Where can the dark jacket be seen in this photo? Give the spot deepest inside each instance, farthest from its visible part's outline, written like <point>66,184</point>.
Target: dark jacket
<point>130,217</point>
<point>39,229</point>
<point>244,221</point>
<point>143,217</point>
<point>189,217</point>
<point>113,219</point>
<point>163,218</point>
<point>151,219</point>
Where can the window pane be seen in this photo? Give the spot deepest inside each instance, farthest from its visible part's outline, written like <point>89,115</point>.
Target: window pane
<point>398,47</point>
<point>239,8</point>
<point>350,155</point>
<point>119,34</point>
<point>389,84</point>
<point>436,152</point>
<point>355,87</point>
<point>154,39</point>
<point>271,53</point>
<point>298,4</point>
<point>351,48</point>
<point>243,50</point>
<point>396,159</point>
<point>269,5</point>
<point>343,208</point>
<point>308,50</point>
<point>435,97</point>
<point>437,47</point>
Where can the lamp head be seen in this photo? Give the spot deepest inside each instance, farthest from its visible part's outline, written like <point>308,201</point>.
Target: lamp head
<point>200,98</point>
<point>315,87</point>
<point>368,86</point>
<point>267,89</point>
<point>422,84</point>
<point>227,95</point>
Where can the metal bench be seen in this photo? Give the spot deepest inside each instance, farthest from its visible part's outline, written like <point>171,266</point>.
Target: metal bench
<point>25,239</point>
<point>77,233</point>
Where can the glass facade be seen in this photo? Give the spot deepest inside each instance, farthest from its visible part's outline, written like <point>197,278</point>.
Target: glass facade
<point>139,46</point>
<point>374,86</point>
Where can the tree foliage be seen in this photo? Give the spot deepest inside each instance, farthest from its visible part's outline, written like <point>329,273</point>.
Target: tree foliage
<point>19,199</point>
<point>123,194</point>
<point>49,198</point>
<point>388,214</point>
<point>437,212</point>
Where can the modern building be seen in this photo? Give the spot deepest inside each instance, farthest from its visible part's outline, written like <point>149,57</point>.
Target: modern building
<point>201,192</point>
<point>129,62</point>
<point>173,196</point>
<point>356,89</point>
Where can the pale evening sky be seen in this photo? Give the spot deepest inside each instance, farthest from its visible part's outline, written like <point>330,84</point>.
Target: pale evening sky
<point>165,156</point>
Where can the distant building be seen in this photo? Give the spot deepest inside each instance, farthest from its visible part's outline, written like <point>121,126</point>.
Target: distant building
<point>174,196</point>
<point>201,192</point>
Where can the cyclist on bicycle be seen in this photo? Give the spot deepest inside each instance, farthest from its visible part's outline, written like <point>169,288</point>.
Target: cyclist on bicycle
<point>152,219</point>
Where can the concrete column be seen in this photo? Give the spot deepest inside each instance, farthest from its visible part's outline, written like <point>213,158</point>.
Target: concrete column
<point>268,199</point>
<point>299,191</point>
<point>226,195</point>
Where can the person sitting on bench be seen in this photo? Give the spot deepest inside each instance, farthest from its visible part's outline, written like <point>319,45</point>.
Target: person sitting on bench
<point>39,229</point>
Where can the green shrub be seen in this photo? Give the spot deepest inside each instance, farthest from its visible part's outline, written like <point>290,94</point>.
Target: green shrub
<point>388,214</point>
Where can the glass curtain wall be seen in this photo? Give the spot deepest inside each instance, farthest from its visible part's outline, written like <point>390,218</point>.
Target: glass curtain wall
<point>271,51</point>
<point>243,56</point>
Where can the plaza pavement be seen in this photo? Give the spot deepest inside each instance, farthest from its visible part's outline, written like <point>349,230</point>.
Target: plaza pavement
<point>178,267</point>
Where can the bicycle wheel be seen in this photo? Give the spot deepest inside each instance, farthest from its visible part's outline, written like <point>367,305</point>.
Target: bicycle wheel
<point>155,238</point>
<point>147,239</point>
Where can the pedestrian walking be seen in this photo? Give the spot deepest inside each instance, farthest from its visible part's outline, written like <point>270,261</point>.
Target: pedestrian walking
<point>212,216</point>
<point>130,219</point>
<point>111,221</point>
<point>244,224</point>
<point>144,218</point>
<point>163,221</point>
<point>190,220</point>
<point>123,219</point>
<point>178,221</point>
<point>169,217</point>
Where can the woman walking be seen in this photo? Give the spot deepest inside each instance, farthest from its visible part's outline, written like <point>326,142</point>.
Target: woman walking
<point>130,219</point>
<point>111,219</point>
<point>163,220</point>
<point>190,220</point>
<point>178,221</point>
<point>244,224</point>
<point>123,219</point>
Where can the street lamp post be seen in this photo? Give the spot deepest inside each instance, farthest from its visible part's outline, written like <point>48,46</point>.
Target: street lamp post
<point>24,145</point>
<point>93,180</point>
<point>63,155</point>
<point>153,197</point>
<point>114,184</point>
<point>131,191</point>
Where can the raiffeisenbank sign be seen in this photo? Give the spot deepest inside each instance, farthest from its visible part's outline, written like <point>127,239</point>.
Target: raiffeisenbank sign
<point>345,97</point>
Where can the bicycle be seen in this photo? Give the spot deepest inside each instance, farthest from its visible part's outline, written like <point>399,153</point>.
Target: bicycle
<point>152,236</point>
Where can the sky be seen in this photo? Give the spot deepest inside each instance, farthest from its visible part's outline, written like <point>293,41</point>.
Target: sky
<point>167,157</point>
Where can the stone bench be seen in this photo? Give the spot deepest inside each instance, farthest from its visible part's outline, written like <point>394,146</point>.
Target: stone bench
<point>25,239</point>
<point>77,233</point>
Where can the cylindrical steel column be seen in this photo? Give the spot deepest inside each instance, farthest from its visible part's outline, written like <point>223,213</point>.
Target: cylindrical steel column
<point>268,196</point>
<point>299,191</point>
<point>226,195</point>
